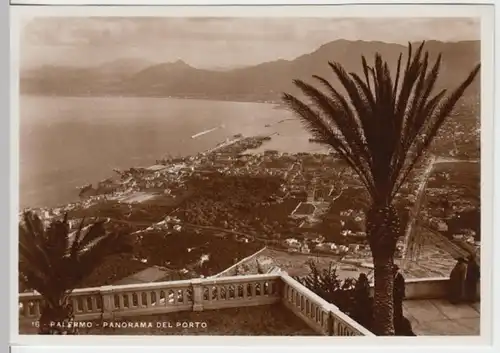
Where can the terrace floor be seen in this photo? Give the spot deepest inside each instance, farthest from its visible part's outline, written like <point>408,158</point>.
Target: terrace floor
<point>438,317</point>
<point>265,320</point>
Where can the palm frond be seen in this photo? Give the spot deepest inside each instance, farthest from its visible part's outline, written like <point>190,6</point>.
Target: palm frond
<point>32,240</point>
<point>324,134</point>
<point>56,239</point>
<point>438,109</point>
<point>381,128</point>
<point>83,239</point>
<point>347,127</point>
<point>91,257</point>
<point>75,243</point>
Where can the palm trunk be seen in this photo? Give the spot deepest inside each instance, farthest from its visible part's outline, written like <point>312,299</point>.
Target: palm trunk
<point>57,320</point>
<point>383,229</point>
<point>383,302</point>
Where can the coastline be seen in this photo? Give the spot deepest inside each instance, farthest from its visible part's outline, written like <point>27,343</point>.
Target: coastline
<point>277,103</point>
<point>158,167</point>
<point>123,197</point>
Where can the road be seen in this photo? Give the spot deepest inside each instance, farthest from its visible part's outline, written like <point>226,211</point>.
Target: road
<point>416,207</point>
<point>190,225</point>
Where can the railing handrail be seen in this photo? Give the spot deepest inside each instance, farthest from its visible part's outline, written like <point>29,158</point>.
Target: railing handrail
<point>306,291</point>
<point>353,323</point>
<point>239,279</point>
<point>161,285</point>
<point>426,279</point>
<point>209,280</point>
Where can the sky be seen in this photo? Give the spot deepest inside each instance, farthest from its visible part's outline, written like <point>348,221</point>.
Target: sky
<point>215,43</point>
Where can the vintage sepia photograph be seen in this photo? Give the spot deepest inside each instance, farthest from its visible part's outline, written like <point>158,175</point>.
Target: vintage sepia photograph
<point>243,175</point>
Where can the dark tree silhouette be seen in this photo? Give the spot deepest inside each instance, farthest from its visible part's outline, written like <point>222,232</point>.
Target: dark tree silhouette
<point>327,284</point>
<point>54,261</point>
<point>381,128</point>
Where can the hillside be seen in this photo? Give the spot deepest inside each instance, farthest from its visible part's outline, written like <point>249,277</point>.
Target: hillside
<point>263,82</point>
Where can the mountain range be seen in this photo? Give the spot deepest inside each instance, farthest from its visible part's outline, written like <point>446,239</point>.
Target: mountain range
<point>263,82</point>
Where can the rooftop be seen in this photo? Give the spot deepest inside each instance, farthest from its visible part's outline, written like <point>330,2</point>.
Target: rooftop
<point>295,264</point>
<point>148,275</point>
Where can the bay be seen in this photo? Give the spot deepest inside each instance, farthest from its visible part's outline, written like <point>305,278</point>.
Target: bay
<point>66,142</point>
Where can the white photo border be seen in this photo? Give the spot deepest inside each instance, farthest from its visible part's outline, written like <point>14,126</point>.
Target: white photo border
<point>489,310</point>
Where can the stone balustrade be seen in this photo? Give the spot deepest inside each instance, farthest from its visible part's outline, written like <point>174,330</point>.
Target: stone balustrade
<point>320,315</point>
<point>114,302</point>
<point>428,288</point>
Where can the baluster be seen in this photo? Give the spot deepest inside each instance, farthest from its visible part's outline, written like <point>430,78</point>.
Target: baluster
<point>254,289</point>
<point>219,292</point>
<point>175,295</point>
<point>116,301</point>
<point>22,309</point>
<point>94,303</point>
<point>245,290</point>
<point>36,308</point>
<point>149,301</point>
<point>85,307</point>
<point>227,292</point>
<point>74,303</point>
<point>25,309</point>
<point>185,299</point>
<point>121,302</point>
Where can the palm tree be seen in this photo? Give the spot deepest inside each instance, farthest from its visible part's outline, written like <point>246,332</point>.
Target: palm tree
<point>54,261</point>
<point>382,128</point>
